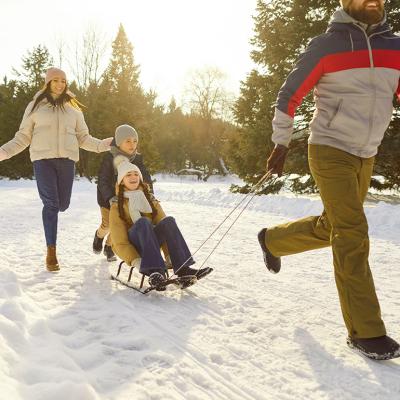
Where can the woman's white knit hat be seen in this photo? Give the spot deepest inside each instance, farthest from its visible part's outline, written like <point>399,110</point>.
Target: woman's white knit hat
<point>124,167</point>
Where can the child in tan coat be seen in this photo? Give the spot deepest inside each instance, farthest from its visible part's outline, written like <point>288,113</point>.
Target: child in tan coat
<point>139,227</point>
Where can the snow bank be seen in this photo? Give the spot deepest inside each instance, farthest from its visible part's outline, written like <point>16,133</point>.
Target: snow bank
<point>239,334</point>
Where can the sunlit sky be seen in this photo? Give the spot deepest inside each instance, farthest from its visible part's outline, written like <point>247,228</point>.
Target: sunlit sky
<point>170,37</point>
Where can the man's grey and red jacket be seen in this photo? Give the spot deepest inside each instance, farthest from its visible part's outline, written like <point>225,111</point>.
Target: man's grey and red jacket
<point>355,73</point>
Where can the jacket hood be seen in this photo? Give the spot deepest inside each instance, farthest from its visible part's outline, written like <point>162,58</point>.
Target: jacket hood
<point>341,17</point>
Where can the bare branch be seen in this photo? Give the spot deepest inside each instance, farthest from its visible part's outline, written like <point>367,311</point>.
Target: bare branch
<point>88,55</point>
<point>206,94</point>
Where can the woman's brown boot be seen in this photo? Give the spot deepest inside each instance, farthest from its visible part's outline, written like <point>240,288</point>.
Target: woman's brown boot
<point>51,259</point>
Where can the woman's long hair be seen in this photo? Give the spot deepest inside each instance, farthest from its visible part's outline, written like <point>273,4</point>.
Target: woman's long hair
<point>60,101</point>
<point>148,195</point>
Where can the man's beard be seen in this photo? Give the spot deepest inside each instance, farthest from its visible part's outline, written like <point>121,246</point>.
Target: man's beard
<point>367,16</point>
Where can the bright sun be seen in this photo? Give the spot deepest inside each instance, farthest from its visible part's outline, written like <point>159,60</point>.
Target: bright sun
<point>170,38</point>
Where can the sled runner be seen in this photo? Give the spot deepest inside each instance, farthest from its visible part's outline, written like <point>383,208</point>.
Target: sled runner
<point>182,282</point>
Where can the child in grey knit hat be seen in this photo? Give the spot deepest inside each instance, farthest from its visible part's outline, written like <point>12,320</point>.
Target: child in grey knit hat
<point>124,132</point>
<point>123,147</point>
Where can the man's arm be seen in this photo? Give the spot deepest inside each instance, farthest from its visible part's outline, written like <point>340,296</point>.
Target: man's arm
<point>305,75</point>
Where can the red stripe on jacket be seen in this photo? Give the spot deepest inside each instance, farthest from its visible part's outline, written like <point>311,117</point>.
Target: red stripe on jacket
<point>342,62</point>
<point>305,87</point>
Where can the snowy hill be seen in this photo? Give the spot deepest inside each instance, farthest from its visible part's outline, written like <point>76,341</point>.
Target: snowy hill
<point>241,333</point>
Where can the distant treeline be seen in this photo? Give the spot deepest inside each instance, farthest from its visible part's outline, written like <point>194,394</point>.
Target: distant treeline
<point>215,131</point>
<point>170,139</point>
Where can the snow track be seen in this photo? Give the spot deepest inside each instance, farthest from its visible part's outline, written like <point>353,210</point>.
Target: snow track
<point>241,333</point>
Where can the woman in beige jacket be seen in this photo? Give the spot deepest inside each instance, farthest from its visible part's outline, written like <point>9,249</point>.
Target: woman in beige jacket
<point>54,127</point>
<point>139,227</point>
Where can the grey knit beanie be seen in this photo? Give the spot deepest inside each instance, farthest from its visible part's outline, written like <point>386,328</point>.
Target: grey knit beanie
<point>123,132</point>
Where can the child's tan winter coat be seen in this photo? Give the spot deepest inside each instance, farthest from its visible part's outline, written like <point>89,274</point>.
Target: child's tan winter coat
<point>119,230</point>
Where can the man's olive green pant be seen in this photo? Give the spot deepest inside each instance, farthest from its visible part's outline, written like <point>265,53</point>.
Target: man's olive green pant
<point>343,181</point>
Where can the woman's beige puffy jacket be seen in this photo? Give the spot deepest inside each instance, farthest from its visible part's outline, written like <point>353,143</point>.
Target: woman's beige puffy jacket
<point>53,132</point>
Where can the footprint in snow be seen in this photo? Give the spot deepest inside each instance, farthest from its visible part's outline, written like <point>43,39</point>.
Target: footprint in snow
<point>156,363</point>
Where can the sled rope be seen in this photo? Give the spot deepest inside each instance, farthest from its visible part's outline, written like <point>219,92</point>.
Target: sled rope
<point>252,191</point>
<point>229,228</point>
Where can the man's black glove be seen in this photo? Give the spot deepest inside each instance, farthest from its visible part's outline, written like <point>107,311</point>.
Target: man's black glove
<point>276,159</point>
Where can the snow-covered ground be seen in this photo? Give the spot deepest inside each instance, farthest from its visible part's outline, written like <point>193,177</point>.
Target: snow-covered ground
<point>241,333</point>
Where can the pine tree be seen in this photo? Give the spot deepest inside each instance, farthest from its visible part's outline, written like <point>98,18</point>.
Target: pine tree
<point>15,96</point>
<point>122,74</point>
<point>120,99</point>
<point>34,66</point>
<point>174,139</point>
<point>283,29</point>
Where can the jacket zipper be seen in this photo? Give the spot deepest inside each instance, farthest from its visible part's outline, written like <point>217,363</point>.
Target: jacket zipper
<point>372,80</point>
<point>58,133</point>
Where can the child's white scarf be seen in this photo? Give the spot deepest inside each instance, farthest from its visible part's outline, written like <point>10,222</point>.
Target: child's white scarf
<point>137,204</point>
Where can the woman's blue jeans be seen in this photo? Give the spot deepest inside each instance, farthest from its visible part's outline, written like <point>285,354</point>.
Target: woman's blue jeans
<point>54,179</point>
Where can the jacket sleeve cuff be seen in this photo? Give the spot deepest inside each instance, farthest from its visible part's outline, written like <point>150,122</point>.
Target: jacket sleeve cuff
<point>101,147</point>
<point>282,125</point>
<point>5,153</point>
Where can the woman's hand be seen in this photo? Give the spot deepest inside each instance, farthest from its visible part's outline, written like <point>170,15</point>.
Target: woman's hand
<point>107,141</point>
<point>3,155</point>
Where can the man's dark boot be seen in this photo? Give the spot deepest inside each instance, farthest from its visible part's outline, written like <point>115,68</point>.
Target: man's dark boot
<point>378,348</point>
<point>51,259</point>
<point>271,262</point>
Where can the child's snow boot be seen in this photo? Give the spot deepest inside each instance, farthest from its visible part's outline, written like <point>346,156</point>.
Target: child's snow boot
<point>157,279</point>
<point>108,252</point>
<point>97,244</point>
<point>198,273</point>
